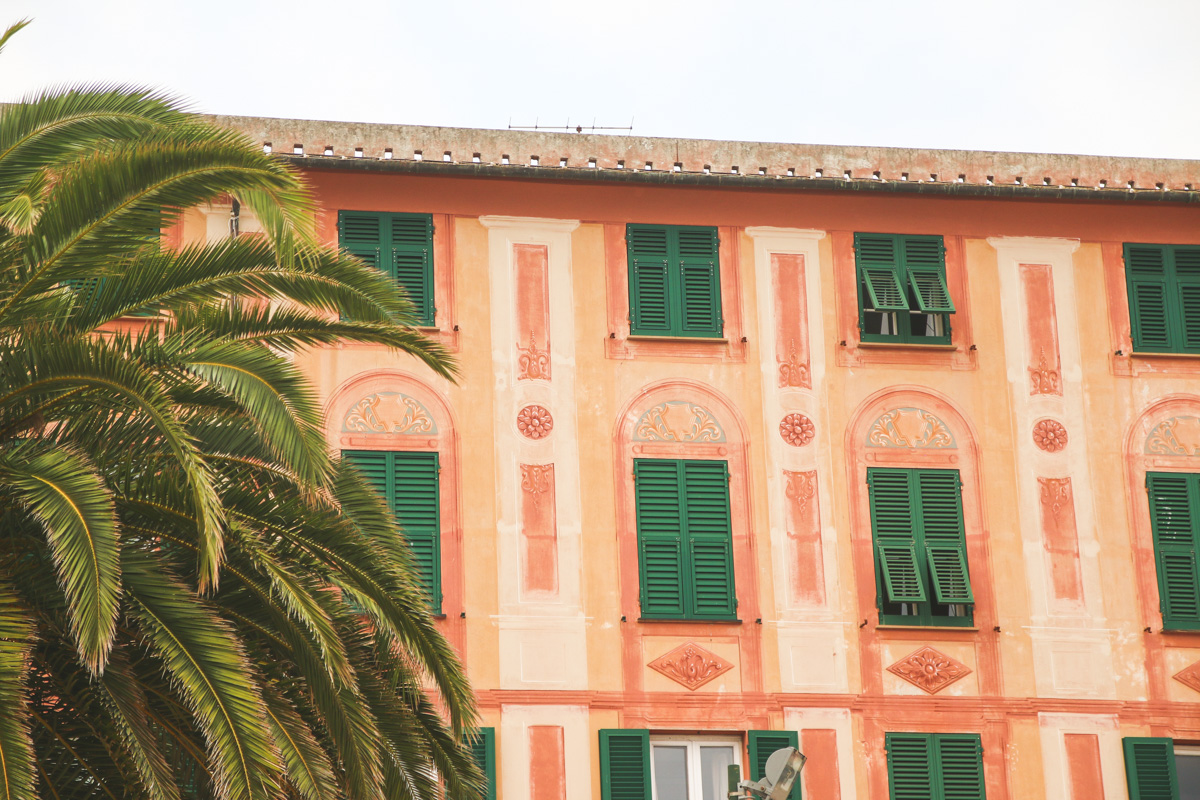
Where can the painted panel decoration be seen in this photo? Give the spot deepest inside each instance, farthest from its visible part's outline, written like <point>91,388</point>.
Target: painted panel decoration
<point>388,412</point>
<point>1049,435</point>
<point>910,427</point>
<point>532,311</point>
<point>797,430</point>
<point>1177,436</point>
<point>690,665</point>
<point>791,314</point>
<point>678,421</point>
<point>1045,367</point>
<point>929,670</point>
<point>1190,676</point>
<point>539,535</point>
<point>1061,537</point>
<point>806,569</point>
<point>534,422</point>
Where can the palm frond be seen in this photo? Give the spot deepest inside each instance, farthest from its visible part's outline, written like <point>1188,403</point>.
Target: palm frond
<point>16,746</point>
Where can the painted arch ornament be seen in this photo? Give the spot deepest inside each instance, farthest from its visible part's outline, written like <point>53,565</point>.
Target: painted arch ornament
<point>678,421</point>
<point>910,427</point>
<point>1177,436</point>
<point>388,412</point>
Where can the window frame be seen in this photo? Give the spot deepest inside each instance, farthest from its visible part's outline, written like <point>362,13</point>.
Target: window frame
<point>903,279</point>
<point>674,291</point>
<point>694,743</point>
<point>1170,621</point>
<point>936,769</point>
<point>923,614</point>
<point>425,307</point>
<point>1172,285</point>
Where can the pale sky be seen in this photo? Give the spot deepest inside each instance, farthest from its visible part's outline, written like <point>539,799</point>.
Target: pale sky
<point>1100,77</point>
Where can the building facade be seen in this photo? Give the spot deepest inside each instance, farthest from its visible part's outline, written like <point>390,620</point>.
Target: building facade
<point>890,455</point>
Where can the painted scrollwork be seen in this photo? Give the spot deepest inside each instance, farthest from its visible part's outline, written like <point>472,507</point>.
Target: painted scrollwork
<point>791,372</point>
<point>1177,436</point>
<point>691,665</point>
<point>678,421</point>
<point>1044,379</point>
<point>533,363</point>
<point>929,670</point>
<point>910,427</point>
<point>388,412</point>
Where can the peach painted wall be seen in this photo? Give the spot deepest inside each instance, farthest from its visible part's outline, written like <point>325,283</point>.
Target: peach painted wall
<point>1067,654</point>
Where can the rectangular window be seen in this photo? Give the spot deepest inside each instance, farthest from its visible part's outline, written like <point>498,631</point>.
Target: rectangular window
<point>483,750</point>
<point>921,573</point>
<point>935,766</point>
<point>408,483</point>
<point>1164,297</point>
<point>1154,768</point>
<point>685,543</point>
<point>902,291</point>
<point>399,244</point>
<point>1175,524</point>
<point>674,281</point>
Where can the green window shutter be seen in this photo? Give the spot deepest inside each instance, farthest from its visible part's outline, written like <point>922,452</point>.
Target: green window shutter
<point>1173,522</point>
<point>1150,768</point>
<point>925,261</point>
<point>361,234</point>
<point>649,280</point>
<point>1147,279</point>
<point>893,509</point>
<point>659,498</point>
<point>483,750</point>
<point>624,765</point>
<point>412,261</point>
<point>910,766</point>
<point>878,262</point>
<point>1187,274</point>
<point>763,744</point>
<point>941,519</point>
<point>700,281</point>
<point>960,766</point>
<point>709,535</point>
<point>408,483</point>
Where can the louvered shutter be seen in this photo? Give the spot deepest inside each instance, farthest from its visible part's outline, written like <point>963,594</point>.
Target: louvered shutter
<point>709,537</point>
<point>1173,520</point>
<point>699,281</point>
<point>941,519</point>
<point>649,280</point>
<point>624,765</point>
<point>959,766</point>
<point>412,261</point>
<point>762,744</point>
<point>1150,768</point>
<point>1187,275</point>
<point>878,262</point>
<point>659,496</point>
<point>910,766</point>
<point>361,235</point>
<point>416,505</point>
<point>925,263</point>
<point>483,751</point>
<point>1146,275</point>
<point>892,514</point>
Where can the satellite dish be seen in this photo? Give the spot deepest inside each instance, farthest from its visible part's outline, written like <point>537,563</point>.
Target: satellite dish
<point>779,775</point>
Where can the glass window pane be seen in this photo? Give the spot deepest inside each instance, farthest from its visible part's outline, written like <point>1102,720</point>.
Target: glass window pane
<point>714,771</point>
<point>1188,767</point>
<point>670,772</point>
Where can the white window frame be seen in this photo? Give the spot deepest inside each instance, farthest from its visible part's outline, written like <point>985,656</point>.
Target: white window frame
<point>694,743</point>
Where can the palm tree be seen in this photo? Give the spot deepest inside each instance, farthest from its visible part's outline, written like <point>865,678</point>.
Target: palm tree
<point>196,598</point>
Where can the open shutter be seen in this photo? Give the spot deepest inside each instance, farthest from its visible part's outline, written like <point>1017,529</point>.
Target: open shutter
<point>416,506</point>
<point>361,234</point>
<point>1146,275</point>
<point>710,542</point>
<point>1150,768</point>
<point>925,262</point>
<point>940,513</point>
<point>892,512</point>
<point>624,765</point>
<point>483,750</point>
<point>960,766</point>
<point>879,266</point>
<point>699,281</point>
<point>910,766</point>
<point>659,496</point>
<point>763,744</point>
<point>1173,520</point>
<point>1187,275</point>
<point>649,279</point>
<point>412,260</point>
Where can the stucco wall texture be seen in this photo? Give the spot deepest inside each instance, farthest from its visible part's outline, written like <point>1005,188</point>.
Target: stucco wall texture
<point>1038,401</point>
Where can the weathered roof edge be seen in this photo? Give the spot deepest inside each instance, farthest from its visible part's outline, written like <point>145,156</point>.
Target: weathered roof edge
<point>544,155</point>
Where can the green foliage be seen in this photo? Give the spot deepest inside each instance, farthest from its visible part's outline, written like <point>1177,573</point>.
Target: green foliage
<point>196,599</point>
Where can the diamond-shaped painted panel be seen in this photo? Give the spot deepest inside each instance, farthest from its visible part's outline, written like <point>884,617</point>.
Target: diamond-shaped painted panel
<point>690,665</point>
<point>929,670</point>
<point>1190,676</point>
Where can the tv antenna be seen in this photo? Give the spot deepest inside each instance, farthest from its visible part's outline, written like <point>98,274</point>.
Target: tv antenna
<point>780,774</point>
<point>577,128</point>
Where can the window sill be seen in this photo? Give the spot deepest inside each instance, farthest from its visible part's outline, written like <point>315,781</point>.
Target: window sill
<point>655,620</point>
<point>1152,354</point>
<point>906,346</point>
<point>951,628</point>
<point>644,337</point>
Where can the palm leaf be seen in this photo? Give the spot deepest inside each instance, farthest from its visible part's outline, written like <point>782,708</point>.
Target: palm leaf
<point>16,751</point>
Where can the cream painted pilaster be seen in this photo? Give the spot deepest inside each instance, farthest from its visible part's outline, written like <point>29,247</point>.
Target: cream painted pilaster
<point>1054,729</point>
<point>513,750</point>
<point>838,720</point>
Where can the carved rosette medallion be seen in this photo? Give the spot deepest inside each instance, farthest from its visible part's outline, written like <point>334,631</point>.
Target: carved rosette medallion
<point>929,670</point>
<point>678,421</point>
<point>1043,378</point>
<point>1190,676</point>
<point>797,430</point>
<point>690,665</point>
<point>910,427</point>
<point>1049,435</point>
<point>534,422</point>
<point>388,412</point>
<point>533,363</point>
